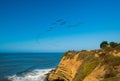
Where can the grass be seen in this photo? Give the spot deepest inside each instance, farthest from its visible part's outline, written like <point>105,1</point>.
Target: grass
<point>85,54</point>
<point>90,62</point>
<point>111,79</point>
<point>112,60</point>
<point>86,68</point>
<point>69,55</point>
<point>89,67</point>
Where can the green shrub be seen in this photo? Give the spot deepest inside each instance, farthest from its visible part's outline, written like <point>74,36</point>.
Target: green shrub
<point>113,44</point>
<point>104,44</point>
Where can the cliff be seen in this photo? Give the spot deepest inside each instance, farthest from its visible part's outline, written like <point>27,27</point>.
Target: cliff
<point>88,65</point>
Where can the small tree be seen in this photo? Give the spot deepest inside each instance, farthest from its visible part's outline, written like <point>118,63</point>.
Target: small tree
<point>104,44</point>
<point>113,44</point>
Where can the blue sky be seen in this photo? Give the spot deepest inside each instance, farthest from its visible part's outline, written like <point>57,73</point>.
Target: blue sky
<point>24,24</point>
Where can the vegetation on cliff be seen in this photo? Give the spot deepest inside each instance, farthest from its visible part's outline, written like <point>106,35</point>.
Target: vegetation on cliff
<point>105,44</point>
<point>89,65</point>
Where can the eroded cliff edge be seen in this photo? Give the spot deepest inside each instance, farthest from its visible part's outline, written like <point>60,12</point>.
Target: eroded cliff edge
<point>88,65</point>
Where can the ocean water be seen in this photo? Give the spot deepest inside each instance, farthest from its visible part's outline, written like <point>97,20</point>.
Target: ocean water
<point>27,66</point>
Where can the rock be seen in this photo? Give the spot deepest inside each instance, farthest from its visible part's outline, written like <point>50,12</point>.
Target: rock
<point>92,65</point>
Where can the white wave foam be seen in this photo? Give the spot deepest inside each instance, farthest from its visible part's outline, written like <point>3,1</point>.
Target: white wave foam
<point>35,75</point>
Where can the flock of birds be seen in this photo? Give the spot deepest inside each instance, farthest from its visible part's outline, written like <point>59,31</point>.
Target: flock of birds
<point>60,22</point>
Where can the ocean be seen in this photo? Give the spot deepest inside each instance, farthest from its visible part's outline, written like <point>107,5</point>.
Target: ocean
<point>27,66</point>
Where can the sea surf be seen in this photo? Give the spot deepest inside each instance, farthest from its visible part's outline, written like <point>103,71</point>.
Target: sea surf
<point>27,66</point>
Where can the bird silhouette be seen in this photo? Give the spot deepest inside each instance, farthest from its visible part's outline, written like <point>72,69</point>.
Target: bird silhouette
<point>62,23</point>
<point>75,25</point>
<point>49,30</point>
<point>59,20</point>
<point>54,23</point>
<point>58,23</point>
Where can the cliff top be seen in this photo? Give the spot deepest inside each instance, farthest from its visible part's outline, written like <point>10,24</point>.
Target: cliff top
<point>89,65</point>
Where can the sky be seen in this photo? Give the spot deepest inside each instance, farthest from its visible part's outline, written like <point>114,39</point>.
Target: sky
<point>57,25</point>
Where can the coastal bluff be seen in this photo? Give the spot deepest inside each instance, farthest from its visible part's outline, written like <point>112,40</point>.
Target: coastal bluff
<point>88,65</point>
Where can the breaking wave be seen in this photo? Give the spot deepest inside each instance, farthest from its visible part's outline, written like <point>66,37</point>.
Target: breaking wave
<point>35,75</point>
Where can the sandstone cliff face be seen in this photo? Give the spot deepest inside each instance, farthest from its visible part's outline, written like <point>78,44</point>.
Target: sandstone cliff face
<point>94,65</point>
<point>67,68</point>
